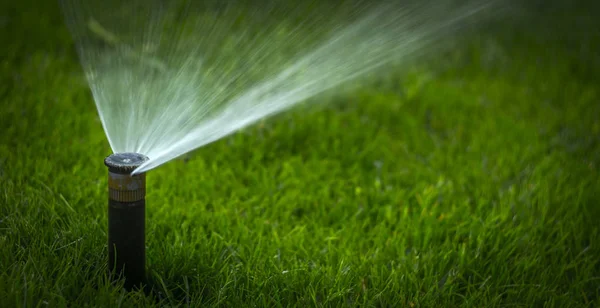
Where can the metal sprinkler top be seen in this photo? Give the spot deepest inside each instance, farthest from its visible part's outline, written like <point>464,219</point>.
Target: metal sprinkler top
<point>124,163</point>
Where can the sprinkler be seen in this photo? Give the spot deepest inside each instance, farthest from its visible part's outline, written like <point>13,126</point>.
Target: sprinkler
<point>126,218</point>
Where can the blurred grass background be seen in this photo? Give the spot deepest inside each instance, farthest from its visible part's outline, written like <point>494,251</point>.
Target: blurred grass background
<point>467,180</point>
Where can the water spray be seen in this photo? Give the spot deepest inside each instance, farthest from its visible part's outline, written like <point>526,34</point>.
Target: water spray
<point>126,218</point>
<point>170,76</point>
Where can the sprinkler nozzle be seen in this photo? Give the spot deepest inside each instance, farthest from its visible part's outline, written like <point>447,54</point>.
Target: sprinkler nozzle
<point>126,218</point>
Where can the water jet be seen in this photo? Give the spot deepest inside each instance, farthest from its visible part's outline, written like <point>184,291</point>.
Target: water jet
<point>126,218</point>
<point>171,76</point>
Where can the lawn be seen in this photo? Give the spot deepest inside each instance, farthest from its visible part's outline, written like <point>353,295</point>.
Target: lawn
<point>469,180</point>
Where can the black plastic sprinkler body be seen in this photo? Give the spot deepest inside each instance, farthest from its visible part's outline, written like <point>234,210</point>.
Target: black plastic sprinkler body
<point>126,218</point>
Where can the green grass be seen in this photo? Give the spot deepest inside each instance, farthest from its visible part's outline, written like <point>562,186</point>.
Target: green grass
<point>473,184</point>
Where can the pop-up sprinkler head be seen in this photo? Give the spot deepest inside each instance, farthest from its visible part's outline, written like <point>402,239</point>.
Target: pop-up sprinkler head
<point>126,218</point>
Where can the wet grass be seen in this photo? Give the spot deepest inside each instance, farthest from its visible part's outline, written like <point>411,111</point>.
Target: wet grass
<point>470,181</point>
